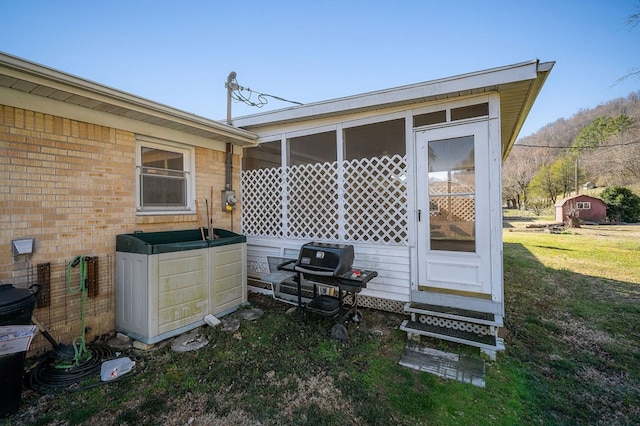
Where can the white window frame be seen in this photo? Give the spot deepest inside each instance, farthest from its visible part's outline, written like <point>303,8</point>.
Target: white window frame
<point>188,153</point>
<point>583,205</point>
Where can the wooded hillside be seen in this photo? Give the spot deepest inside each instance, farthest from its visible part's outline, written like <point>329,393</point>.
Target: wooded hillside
<point>599,145</point>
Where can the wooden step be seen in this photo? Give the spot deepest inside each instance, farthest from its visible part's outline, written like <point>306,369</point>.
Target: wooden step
<point>486,342</point>
<point>484,318</point>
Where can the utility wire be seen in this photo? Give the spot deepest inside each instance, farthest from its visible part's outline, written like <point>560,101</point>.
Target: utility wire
<point>635,141</point>
<point>261,100</point>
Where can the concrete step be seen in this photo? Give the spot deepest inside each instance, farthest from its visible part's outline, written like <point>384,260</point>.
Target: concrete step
<point>460,367</point>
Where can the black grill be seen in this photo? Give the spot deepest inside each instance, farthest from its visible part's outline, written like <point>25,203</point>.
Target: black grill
<point>324,259</point>
<point>330,265</point>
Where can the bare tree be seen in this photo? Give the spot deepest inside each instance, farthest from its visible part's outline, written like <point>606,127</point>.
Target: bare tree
<point>519,169</point>
<point>632,21</point>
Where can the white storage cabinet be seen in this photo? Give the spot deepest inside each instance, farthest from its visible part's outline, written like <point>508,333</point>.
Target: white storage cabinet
<point>167,282</point>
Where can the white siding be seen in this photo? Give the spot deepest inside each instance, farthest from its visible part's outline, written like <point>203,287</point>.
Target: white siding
<point>391,263</point>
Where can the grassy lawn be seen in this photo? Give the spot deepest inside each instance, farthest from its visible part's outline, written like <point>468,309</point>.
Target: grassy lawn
<point>573,357</point>
<point>573,312</point>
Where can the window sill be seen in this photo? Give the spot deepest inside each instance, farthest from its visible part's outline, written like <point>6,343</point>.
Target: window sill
<point>164,212</point>
<point>166,217</point>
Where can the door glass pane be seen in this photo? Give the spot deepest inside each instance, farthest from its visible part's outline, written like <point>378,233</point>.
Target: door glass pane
<point>452,194</point>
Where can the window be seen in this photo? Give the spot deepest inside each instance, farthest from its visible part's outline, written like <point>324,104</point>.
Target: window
<point>452,194</point>
<point>312,149</point>
<point>430,118</point>
<point>456,114</point>
<point>264,156</point>
<point>470,111</point>
<point>584,205</point>
<point>375,140</point>
<point>164,181</point>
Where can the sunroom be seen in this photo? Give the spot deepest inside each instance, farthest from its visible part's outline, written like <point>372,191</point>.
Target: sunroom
<point>411,177</point>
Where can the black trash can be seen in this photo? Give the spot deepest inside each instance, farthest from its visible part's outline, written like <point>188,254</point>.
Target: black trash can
<point>16,308</point>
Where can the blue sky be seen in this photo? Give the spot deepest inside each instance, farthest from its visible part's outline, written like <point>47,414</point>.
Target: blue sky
<point>179,53</point>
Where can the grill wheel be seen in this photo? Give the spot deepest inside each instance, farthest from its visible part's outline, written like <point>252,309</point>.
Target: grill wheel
<point>339,332</point>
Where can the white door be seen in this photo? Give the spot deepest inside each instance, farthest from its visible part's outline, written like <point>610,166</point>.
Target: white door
<point>454,246</point>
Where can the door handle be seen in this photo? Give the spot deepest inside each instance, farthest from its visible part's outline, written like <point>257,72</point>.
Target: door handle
<point>419,215</point>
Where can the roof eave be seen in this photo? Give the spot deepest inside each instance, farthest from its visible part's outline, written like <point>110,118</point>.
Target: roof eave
<point>542,73</point>
<point>403,95</point>
<point>115,101</point>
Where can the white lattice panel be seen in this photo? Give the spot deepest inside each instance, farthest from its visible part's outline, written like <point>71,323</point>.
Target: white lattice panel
<point>375,200</point>
<point>312,201</point>
<point>262,202</point>
<point>446,198</point>
<point>479,329</point>
<point>358,201</point>
<point>454,208</point>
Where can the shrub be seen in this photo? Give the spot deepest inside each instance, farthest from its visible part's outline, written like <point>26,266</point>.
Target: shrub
<point>622,204</point>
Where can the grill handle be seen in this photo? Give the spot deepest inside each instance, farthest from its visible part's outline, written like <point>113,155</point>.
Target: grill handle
<point>308,271</point>
<point>281,266</point>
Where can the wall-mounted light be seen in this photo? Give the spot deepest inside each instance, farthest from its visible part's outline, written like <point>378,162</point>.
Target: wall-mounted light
<point>23,246</point>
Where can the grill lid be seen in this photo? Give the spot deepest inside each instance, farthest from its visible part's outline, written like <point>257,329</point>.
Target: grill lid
<point>325,258</point>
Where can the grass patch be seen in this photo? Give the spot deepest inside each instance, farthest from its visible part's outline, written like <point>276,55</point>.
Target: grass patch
<point>572,329</point>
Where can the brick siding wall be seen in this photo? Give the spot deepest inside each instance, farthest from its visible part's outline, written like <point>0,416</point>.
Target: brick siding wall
<point>71,186</point>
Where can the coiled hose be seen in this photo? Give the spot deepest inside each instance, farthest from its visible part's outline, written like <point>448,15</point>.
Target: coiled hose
<point>49,376</point>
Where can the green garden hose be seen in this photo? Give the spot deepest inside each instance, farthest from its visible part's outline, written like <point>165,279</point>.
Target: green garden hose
<point>79,345</point>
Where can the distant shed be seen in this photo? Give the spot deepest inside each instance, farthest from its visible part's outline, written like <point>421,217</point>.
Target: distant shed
<point>590,209</point>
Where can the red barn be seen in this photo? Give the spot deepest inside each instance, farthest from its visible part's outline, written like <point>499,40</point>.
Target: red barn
<point>590,209</point>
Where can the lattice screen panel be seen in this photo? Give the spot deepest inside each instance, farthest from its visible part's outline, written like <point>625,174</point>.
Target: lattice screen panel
<point>458,208</point>
<point>375,200</point>
<point>312,201</point>
<point>262,202</point>
<point>453,199</point>
<point>360,201</point>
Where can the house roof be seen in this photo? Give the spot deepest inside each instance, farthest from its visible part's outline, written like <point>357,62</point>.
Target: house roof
<point>562,202</point>
<point>518,86</point>
<point>22,76</point>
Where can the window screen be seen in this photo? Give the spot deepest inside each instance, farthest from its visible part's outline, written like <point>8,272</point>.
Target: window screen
<point>429,118</point>
<point>316,148</point>
<point>471,111</point>
<point>264,156</point>
<point>375,140</point>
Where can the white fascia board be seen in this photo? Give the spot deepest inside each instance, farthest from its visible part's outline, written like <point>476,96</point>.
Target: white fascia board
<point>461,83</point>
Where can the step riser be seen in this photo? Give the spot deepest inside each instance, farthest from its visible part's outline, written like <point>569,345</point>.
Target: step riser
<point>499,344</point>
<point>453,317</point>
<point>455,324</point>
<point>471,317</point>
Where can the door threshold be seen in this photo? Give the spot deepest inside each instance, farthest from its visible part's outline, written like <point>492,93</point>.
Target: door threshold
<point>462,293</point>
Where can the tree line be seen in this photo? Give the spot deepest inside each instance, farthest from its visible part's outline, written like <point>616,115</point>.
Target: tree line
<point>599,147</point>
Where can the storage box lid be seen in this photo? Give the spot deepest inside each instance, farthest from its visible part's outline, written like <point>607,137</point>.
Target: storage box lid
<point>172,241</point>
